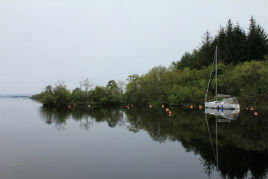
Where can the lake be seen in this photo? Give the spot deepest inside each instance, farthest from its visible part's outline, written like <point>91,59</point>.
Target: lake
<point>38,142</point>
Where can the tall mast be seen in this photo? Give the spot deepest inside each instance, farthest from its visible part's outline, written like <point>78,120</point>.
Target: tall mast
<point>216,73</point>
<point>211,71</point>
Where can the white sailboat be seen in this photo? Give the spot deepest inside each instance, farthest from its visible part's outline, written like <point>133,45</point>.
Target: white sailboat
<point>226,115</point>
<point>226,102</point>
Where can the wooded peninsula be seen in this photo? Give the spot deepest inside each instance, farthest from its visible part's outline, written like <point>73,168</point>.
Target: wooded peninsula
<point>242,72</point>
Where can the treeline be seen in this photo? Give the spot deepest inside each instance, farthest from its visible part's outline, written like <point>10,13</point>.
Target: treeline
<point>84,95</point>
<point>242,72</point>
<point>234,44</point>
<point>248,81</point>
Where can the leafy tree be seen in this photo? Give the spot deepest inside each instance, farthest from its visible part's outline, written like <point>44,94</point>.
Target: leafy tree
<point>112,87</point>
<point>80,97</point>
<point>113,92</point>
<point>99,94</point>
<point>61,95</point>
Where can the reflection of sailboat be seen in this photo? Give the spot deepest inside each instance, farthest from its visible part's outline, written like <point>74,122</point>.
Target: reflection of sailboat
<point>227,101</point>
<point>221,116</point>
<point>225,115</point>
<point>215,153</point>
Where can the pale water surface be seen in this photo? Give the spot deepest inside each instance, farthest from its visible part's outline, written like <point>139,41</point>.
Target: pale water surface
<point>118,143</point>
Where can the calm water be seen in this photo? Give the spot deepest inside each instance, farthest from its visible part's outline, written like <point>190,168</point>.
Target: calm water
<point>118,143</point>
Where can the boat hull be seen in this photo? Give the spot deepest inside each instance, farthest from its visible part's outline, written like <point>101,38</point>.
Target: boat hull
<point>225,115</point>
<point>221,105</point>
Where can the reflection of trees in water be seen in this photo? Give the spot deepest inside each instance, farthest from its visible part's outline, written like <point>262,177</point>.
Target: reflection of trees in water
<point>113,116</point>
<point>149,122</point>
<point>55,116</point>
<point>59,117</point>
<point>83,117</point>
<point>237,162</point>
<point>242,144</point>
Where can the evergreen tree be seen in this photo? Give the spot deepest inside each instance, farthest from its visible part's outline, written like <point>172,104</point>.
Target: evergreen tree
<point>234,46</point>
<point>239,47</point>
<point>232,42</point>
<point>186,61</point>
<point>257,41</point>
<point>220,40</point>
<point>227,46</point>
<point>206,50</point>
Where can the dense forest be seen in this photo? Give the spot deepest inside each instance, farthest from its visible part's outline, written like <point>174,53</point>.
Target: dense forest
<point>242,72</point>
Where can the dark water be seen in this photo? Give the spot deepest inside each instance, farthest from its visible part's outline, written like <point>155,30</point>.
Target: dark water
<point>118,143</point>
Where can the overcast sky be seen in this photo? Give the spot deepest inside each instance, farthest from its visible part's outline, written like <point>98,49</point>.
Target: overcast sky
<point>43,41</point>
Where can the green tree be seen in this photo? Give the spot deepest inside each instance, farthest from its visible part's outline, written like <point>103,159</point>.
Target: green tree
<point>206,51</point>
<point>62,95</point>
<point>257,41</point>
<point>113,92</point>
<point>99,95</point>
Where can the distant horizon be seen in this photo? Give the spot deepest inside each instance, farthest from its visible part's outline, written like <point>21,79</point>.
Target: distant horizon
<point>14,95</point>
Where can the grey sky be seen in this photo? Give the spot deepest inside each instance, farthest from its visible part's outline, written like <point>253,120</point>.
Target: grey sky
<point>42,41</point>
